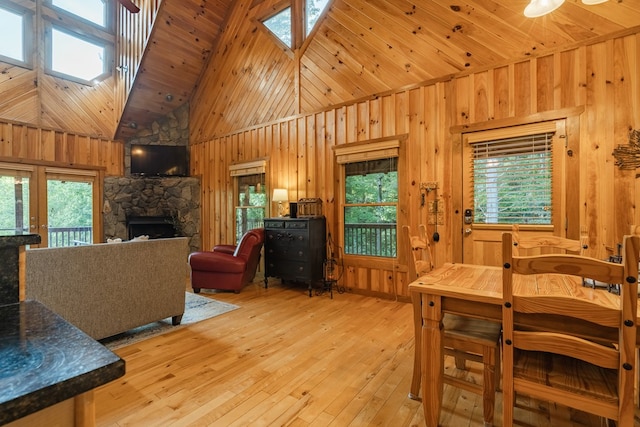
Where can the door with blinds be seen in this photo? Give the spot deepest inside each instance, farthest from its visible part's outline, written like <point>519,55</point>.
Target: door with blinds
<point>511,176</point>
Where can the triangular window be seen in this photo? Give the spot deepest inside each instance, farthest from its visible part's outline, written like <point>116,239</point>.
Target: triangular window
<point>280,25</point>
<point>314,9</point>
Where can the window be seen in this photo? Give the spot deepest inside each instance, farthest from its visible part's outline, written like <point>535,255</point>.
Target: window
<point>370,198</point>
<point>314,10</point>
<point>94,11</point>
<point>512,180</point>
<point>67,49</point>
<point>71,53</point>
<point>250,195</point>
<point>15,36</point>
<point>280,25</point>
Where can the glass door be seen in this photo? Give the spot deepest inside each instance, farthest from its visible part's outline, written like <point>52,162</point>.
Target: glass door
<point>15,195</point>
<point>69,209</point>
<point>61,205</point>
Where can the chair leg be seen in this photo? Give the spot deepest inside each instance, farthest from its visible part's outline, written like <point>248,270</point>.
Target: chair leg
<point>489,385</point>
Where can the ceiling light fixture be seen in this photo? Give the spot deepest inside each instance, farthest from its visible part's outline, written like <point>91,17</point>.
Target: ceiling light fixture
<point>541,7</point>
<point>592,2</point>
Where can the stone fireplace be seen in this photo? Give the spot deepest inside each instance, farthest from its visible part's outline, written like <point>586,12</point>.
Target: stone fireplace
<point>158,206</point>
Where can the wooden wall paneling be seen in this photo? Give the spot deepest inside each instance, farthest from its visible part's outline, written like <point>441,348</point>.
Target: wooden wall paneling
<point>6,140</point>
<point>375,123</point>
<point>482,107</point>
<point>412,173</point>
<point>19,94</point>
<point>519,105</point>
<point>597,179</point>
<point>624,65</point>
<point>302,183</point>
<point>329,172</point>
<point>544,83</point>
<point>511,96</point>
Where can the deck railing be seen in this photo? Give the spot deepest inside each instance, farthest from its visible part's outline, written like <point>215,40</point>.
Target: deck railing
<point>370,239</point>
<point>70,236</point>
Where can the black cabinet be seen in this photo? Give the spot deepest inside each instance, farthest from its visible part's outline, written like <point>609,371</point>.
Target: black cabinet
<point>295,249</point>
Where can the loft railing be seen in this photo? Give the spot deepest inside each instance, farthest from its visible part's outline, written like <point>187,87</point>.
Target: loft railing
<point>370,239</point>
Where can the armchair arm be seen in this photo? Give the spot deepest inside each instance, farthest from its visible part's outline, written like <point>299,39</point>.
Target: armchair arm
<point>226,249</point>
<point>216,261</point>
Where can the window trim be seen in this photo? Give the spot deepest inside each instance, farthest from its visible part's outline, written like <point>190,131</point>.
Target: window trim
<point>246,168</point>
<point>558,197</point>
<point>109,18</point>
<point>370,150</point>
<point>48,46</point>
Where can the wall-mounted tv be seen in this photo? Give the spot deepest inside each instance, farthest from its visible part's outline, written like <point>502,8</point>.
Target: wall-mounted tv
<point>159,160</point>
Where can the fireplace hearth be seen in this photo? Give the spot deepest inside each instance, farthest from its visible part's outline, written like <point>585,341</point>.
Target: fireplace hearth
<point>156,227</point>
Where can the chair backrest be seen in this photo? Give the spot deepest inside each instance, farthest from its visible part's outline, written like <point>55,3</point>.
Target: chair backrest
<point>250,244</point>
<point>420,248</point>
<point>577,305</point>
<point>536,245</point>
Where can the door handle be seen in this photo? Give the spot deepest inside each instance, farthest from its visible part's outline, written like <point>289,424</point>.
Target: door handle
<point>467,231</point>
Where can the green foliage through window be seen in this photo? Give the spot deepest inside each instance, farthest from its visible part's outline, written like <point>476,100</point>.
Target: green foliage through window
<point>251,202</point>
<point>512,180</point>
<point>370,208</point>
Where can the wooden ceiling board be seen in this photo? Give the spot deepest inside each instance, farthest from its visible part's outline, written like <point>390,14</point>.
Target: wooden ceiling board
<point>184,36</point>
<point>398,37</point>
<point>361,53</point>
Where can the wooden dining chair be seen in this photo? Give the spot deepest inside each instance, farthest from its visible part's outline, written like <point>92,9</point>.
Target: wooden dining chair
<point>567,369</point>
<point>465,339</point>
<point>537,245</point>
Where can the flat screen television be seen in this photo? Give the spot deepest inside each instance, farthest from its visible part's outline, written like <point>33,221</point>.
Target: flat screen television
<point>159,160</point>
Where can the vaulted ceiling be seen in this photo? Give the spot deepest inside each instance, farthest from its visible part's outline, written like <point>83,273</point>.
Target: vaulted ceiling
<point>358,49</point>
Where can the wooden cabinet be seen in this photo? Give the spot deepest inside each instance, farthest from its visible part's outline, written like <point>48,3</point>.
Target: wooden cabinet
<point>295,249</point>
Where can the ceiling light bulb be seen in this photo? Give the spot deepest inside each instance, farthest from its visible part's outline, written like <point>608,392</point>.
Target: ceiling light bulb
<point>541,7</point>
<point>591,2</point>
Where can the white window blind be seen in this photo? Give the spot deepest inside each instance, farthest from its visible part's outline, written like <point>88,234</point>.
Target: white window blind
<point>512,180</point>
<point>248,168</point>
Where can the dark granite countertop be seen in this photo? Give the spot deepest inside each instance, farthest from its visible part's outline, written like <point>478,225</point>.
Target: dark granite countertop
<point>13,239</point>
<point>45,360</point>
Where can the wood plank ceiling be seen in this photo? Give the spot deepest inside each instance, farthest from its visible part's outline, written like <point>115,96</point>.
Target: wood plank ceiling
<point>359,48</point>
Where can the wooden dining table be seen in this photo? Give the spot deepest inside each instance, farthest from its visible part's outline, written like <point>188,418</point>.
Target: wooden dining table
<point>476,291</point>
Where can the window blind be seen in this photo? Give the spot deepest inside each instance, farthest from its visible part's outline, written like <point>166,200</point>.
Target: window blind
<point>512,180</point>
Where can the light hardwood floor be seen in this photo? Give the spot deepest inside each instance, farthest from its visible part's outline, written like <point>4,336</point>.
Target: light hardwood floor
<point>284,359</point>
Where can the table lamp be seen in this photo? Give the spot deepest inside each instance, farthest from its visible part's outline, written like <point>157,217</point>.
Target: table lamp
<point>280,195</point>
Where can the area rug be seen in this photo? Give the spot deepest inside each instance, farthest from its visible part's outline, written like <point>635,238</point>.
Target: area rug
<point>197,308</point>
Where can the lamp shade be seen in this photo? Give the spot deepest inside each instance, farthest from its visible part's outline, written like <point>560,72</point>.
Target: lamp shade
<point>280,195</point>
<point>541,7</point>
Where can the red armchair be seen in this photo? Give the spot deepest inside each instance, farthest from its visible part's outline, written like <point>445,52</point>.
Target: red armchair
<point>227,267</point>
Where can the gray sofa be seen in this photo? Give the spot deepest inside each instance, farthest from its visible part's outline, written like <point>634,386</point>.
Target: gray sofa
<point>109,288</point>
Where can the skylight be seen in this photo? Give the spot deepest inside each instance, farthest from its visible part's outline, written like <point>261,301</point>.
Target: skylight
<point>12,35</point>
